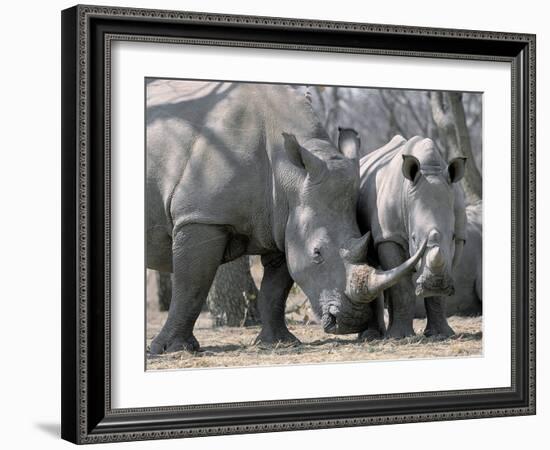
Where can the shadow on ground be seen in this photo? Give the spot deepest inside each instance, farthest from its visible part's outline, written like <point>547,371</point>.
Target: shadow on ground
<point>53,429</point>
<point>234,347</point>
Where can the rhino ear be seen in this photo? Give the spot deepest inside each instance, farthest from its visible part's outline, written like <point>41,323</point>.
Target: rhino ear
<point>410,168</point>
<point>349,142</point>
<point>356,249</point>
<point>293,148</point>
<point>456,169</point>
<point>301,157</point>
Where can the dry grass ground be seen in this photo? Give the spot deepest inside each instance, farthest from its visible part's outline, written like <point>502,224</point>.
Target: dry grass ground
<point>234,347</point>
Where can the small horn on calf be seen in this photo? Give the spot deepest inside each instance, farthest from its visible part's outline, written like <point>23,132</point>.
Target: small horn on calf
<point>364,283</point>
<point>435,258</point>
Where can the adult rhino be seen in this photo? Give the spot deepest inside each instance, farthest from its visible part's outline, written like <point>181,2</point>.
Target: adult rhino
<point>237,169</point>
<point>409,195</point>
<point>467,299</point>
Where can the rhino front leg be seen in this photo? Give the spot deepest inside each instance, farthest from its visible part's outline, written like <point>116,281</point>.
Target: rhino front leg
<point>401,298</point>
<point>437,317</point>
<point>197,252</point>
<point>276,284</point>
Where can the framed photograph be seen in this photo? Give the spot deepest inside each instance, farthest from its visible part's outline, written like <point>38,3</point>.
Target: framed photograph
<point>280,224</point>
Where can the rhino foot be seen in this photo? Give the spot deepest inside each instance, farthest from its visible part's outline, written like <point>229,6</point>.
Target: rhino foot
<point>400,331</point>
<point>275,338</point>
<point>370,335</point>
<point>443,331</point>
<point>162,345</point>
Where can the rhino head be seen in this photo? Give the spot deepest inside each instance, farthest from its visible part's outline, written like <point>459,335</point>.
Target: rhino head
<point>326,254</point>
<point>429,214</point>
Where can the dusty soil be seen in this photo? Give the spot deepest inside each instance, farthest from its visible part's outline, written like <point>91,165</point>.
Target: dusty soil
<point>234,347</point>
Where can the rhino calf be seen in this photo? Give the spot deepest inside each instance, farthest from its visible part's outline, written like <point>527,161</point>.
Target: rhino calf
<point>235,169</point>
<point>409,196</point>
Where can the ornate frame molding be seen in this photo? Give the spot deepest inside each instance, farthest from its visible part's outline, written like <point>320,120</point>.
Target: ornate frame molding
<point>84,421</point>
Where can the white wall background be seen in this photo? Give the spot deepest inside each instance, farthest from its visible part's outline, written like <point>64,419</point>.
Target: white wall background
<point>30,222</point>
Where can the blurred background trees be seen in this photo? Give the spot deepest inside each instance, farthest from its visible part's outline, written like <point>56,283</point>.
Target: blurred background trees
<point>450,117</point>
<point>453,120</point>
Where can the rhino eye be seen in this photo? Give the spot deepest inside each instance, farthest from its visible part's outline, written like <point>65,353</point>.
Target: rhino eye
<point>317,257</point>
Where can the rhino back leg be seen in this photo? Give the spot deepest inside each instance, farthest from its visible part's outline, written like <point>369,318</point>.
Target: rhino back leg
<point>274,289</point>
<point>376,325</point>
<point>197,252</point>
<point>436,313</point>
<point>400,297</point>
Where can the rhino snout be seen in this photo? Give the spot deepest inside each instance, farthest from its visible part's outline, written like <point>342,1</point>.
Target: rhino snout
<point>433,286</point>
<point>329,320</point>
<point>345,316</point>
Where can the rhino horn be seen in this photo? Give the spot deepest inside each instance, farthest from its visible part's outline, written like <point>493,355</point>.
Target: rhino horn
<point>364,283</point>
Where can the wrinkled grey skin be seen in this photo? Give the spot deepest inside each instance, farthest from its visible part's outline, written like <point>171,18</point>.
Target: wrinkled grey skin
<point>467,299</point>
<point>409,194</point>
<point>237,169</point>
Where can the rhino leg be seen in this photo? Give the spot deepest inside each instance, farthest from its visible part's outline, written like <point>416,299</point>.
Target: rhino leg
<point>437,318</point>
<point>376,325</point>
<point>197,252</point>
<point>401,298</point>
<point>276,284</point>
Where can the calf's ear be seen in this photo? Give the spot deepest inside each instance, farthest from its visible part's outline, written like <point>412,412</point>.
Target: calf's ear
<point>456,169</point>
<point>301,157</point>
<point>349,142</point>
<point>410,168</point>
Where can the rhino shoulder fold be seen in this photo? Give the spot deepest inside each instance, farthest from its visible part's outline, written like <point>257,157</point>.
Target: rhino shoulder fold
<point>395,142</point>
<point>379,158</point>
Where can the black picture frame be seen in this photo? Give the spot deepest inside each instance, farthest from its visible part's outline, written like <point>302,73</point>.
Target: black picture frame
<point>87,32</point>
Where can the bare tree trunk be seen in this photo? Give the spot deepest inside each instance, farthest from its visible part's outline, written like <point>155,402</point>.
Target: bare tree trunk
<point>394,125</point>
<point>232,297</point>
<point>448,114</point>
<point>332,113</point>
